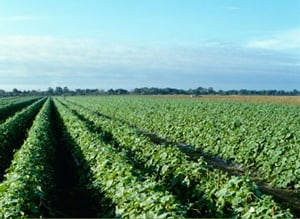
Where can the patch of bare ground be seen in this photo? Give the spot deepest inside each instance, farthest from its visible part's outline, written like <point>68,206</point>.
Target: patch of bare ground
<point>287,198</point>
<point>294,100</point>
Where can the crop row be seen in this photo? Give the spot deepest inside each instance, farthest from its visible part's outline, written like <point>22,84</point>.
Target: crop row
<point>8,108</point>
<point>28,185</point>
<point>32,185</point>
<point>193,184</point>
<point>262,137</point>
<point>13,132</point>
<point>9,100</point>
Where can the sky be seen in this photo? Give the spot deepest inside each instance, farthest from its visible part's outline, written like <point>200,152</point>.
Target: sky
<point>224,44</point>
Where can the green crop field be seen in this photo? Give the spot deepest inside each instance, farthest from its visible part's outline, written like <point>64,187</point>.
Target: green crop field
<point>149,157</point>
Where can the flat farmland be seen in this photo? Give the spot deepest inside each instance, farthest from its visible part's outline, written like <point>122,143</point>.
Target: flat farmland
<point>151,156</point>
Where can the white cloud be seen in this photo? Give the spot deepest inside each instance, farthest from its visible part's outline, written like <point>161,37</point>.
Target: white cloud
<point>286,40</point>
<point>92,52</point>
<point>41,61</point>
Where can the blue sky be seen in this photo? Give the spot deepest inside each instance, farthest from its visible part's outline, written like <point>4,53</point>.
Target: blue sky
<point>224,44</point>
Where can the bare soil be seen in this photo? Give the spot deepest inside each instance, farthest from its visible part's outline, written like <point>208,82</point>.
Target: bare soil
<point>294,100</point>
<point>287,198</point>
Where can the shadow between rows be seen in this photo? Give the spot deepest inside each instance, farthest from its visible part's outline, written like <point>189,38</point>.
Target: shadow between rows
<point>74,198</point>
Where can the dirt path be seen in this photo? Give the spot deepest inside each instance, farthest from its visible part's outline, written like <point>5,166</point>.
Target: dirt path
<point>287,198</point>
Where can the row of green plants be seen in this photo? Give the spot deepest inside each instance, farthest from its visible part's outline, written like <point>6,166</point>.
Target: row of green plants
<point>8,108</point>
<point>27,189</point>
<point>203,191</point>
<point>113,176</point>
<point>263,138</point>
<point>13,100</point>
<point>13,132</point>
<point>9,100</point>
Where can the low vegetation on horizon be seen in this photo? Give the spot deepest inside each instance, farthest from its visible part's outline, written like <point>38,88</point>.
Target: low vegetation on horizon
<point>148,91</point>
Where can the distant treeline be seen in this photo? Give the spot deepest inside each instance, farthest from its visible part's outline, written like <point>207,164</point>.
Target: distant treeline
<point>146,91</point>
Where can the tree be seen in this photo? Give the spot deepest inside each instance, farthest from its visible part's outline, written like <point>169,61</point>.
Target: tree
<point>2,93</point>
<point>16,92</point>
<point>121,91</point>
<point>50,91</point>
<point>65,90</point>
<point>58,91</point>
<point>111,91</point>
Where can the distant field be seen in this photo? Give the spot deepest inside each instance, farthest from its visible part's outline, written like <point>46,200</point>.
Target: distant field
<point>237,98</point>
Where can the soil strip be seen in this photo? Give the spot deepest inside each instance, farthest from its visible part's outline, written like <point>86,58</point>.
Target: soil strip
<point>287,198</point>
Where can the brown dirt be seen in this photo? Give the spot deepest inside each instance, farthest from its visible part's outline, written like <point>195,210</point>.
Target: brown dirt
<point>295,100</point>
<point>287,198</point>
